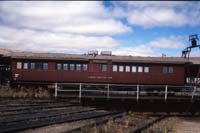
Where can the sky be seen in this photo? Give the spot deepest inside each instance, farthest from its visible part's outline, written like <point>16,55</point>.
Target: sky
<point>136,28</point>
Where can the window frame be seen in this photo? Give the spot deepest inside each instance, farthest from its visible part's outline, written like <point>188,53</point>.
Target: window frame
<point>65,67</point>
<point>85,66</point>
<point>140,70</point>
<point>45,66</point>
<point>19,65</point>
<point>146,68</point>
<point>114,68</point>
<point>127,68</point>
<point>58,66</point>
<point>165,70</point>
<point>121,68</point>
<point>25,66</point>
<point>39,66</point>
<point>134,69</point>
<point>78,66</point>
<point>31,66</point>
<point>71,66</point>
<point>170,69</point>
<point>104,67</point>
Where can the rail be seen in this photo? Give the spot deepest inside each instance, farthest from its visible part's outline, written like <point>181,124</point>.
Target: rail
<point>14,119</point>
<point>165,92</point>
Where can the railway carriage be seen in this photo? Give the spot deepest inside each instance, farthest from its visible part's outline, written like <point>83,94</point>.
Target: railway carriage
<point>41,67</point>
<point>47,68</point>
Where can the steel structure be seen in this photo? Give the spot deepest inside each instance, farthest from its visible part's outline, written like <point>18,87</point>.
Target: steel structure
<point>194,44</point>
<point>186,54</point>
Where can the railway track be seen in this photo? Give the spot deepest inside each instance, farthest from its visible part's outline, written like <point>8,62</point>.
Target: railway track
<point>160,116</point>
<point>17,118</point>
<point>18,109</point>
<point>14,117</point>
<point>146,124</point>
<point>95,121</point>
<point>140,122</point>
<point>44,120</point>
<point>136,125</point>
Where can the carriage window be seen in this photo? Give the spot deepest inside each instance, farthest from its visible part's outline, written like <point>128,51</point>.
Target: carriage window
<point>104,67</point>
<point>146,69</point>
<point>170,69</point>
<point>71,67</point>
<point>39,66</point>
<point>127,69</point>
<point>19,65</point>
<point>114,68</point>
<point>65,66</point>
<point>140,69</point>
<point>59,67</point>
<point>78,67</point>
<point>45,66</point>
<point>85,67</point>
<point>134,69</point>
<point>164,70</point>
<point>32,65</point>
<point>25,66</point>
<point>121,68</point>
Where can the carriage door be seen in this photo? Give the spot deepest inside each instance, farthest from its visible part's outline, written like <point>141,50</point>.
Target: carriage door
<point>98,67</point>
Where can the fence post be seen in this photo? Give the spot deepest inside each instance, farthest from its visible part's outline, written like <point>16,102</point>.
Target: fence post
<point>166,87</point>
<point>56,89</point>
<point>108,91</point>
<point>193,93</point>
<point>138,87</point>
<point>80,87</point>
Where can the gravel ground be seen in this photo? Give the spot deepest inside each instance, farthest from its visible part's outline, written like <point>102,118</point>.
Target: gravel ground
<point>57,128</point>
<point>168,125</point>
<point>188,125</point>
<point>125,124</point>
<point>176,125</point>
<point>164,126</point>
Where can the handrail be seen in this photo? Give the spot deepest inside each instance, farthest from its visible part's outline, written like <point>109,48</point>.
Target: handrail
<point>138,91</point>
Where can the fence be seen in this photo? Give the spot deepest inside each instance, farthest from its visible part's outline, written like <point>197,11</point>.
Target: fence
<point>137,92</point>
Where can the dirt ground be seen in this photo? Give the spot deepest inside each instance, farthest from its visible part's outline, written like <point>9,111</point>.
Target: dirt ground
<point>169,125</point>
<point>176,125</point>
<point>188,125</point>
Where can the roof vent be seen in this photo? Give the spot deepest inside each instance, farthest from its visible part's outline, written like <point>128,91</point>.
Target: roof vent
<point>94,53</point>
<point>108,53</point>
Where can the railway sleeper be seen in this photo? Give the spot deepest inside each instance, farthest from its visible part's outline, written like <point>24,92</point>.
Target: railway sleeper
<point>145,125</point>
<point>19,112</point>
<point>96,121</point>
<point>33,107</point>
<point>18,118</point>
<point>55,120</point>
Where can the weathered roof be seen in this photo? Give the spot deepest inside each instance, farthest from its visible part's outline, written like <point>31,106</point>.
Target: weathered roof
<point>195,60</point>
<point>114,58</point>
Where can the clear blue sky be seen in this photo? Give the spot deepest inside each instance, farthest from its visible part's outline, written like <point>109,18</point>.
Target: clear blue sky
<point>126,28</point>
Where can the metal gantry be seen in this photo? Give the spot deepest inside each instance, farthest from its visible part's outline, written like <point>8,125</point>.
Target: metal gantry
<point>194,44</point>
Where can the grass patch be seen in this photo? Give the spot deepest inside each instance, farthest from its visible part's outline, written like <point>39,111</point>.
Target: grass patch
<point>24,92</point>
